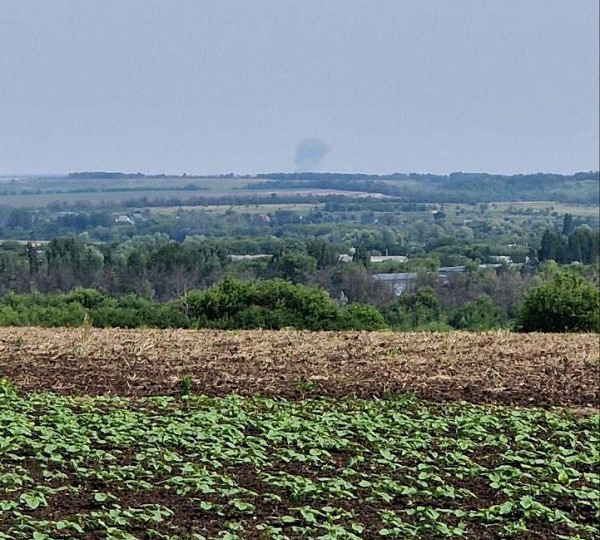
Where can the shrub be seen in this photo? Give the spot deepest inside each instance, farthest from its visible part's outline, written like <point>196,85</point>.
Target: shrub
<point>567,303</point>
<point>414,310</point>
<point>362,317</point>
<point>275,304</point>
<point>478,315</point>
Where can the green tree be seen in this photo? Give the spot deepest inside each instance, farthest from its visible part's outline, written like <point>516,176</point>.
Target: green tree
<point>71,262</point>
<point>362,256</point>
<point>272,304</point>
<point>554,247</point>
<point>583,245</point>
<point>362,317</point>
<point>418,310</point>
<point>478,315</point>
<point>294,266</point>
<point>567,303</point>
<point>568,225</point>
<point>322,251</point>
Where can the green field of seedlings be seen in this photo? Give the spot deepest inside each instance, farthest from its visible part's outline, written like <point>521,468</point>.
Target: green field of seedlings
<point>193,467</point>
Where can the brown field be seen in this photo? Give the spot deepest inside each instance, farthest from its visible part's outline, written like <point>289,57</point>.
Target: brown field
<point>495,367</point>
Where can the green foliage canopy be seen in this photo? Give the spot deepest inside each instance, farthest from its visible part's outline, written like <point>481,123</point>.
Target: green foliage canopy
<point>567,303</point>
<point>275,304</point>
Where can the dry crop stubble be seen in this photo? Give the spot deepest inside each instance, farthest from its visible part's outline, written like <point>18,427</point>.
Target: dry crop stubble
<point>494,367</point>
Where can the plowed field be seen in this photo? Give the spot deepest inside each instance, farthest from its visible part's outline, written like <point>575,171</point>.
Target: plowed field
<point>497,367</point>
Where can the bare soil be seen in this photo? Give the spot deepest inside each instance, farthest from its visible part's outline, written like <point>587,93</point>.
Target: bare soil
<point>495,367</point>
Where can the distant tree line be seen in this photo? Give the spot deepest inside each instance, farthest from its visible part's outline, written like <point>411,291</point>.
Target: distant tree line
<point>230,200</point>
<point>106,174</point>
<point>230,304</point>
<point>158,269</point>
<point>456,177</point>
<point>565,303</point>
<point>94,175</point>
<point>455,187</point>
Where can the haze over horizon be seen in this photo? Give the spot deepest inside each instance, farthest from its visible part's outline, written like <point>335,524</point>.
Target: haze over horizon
<point>207,87</point>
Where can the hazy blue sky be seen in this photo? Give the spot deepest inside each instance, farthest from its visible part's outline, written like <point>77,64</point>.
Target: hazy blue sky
<point>204,86</point>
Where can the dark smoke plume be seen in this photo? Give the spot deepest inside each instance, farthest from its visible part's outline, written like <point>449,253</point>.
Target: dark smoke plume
<point>309,154</point>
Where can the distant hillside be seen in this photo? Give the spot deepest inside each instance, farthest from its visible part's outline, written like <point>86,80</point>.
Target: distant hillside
<point>113,175</point>
<point>104,174</point>
<point>582,187</point>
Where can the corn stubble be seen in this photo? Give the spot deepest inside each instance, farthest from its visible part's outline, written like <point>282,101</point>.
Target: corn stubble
<point>494,367</point>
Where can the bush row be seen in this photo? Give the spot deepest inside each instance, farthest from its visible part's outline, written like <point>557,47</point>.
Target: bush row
<point>231,304</point>
<point>566,303</point>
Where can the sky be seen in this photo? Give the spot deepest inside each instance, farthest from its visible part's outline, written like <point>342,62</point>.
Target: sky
<point>375,86</point>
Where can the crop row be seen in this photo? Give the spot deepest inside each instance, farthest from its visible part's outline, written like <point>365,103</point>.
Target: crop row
<point>245,468</point>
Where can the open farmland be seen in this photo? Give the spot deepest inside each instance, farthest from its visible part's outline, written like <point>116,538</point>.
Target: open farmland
<point>119,434</point>
<point>260,468</point>
<point>34,192</point>
<point>493,367</point>
<point>242,209</point>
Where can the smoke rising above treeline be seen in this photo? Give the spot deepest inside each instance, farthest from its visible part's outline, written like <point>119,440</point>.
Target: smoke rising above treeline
<point>309,154</point>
